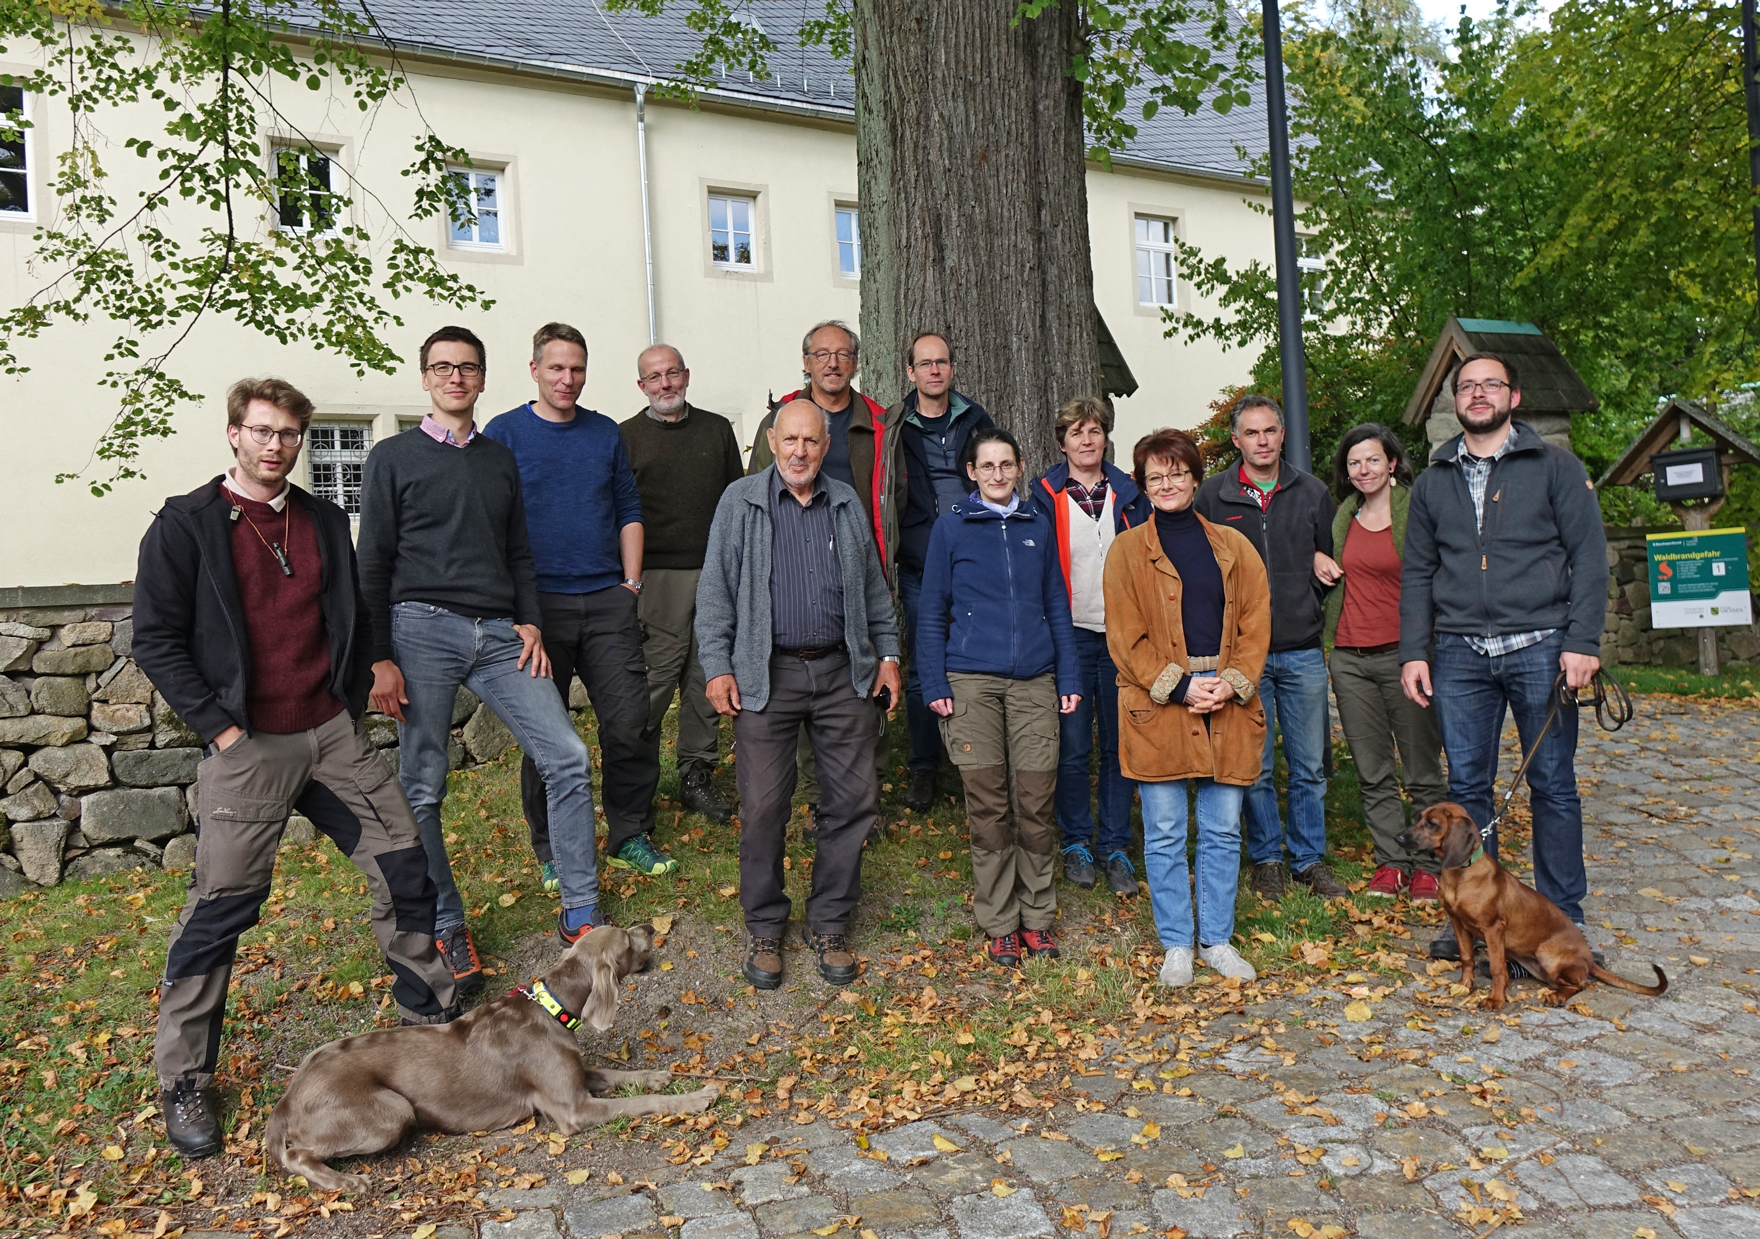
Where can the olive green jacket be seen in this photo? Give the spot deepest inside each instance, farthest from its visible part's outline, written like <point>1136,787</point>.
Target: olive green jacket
<point>1341,525</point>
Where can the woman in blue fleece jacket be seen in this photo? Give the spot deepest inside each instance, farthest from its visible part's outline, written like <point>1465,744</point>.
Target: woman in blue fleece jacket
<point>997,660</point>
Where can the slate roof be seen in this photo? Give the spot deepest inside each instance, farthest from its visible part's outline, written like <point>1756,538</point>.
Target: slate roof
<point>1549,382</point>
<point>584,37</point>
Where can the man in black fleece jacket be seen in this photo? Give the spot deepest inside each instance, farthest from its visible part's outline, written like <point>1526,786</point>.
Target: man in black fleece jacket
<point>1505,588</point>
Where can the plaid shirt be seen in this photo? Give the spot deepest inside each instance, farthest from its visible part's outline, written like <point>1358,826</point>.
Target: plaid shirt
<point>1093,502</point>
<point>1477,471</point>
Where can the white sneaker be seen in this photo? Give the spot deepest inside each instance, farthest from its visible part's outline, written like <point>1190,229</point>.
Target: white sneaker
<point>1176,969</point>
<point>1226,960</point>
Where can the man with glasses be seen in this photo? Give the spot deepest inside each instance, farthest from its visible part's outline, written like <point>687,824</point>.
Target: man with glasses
<point>584,516</point>
<point>934,422</point>
<point>249,619</point>
<point>1504,589</point>
<point>683,458</point>
<point>452,598</point>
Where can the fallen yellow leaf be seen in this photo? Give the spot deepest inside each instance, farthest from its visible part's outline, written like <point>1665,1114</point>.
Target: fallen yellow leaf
<point>966,1084</point>
<point>825,1230</point>
<point>577,1177</point>
<point>1674,1186</point>
<point>508,899</point>
<point>727,892</point>
<point>112,1153</point>
<point>424,1230</point>
<point>944,1144</point>
<point>1701,960</point>
<point>1358,1011</point>
<point>1238,1151</point>
<point>662,924</point>
<point>1000,1187</point>
<point>666,965</point>
<point>1493,1152</point>
<point>1643,1232</point>
<point>755,1151</point>
<point>1301,1226</point>
<point>1109,1156</point>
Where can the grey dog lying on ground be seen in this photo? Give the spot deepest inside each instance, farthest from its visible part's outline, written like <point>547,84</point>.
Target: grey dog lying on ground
<point>491,1068</point>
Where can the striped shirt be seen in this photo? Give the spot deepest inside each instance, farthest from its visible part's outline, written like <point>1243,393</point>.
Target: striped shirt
<point>1477,471</point>
<point>806,580</point>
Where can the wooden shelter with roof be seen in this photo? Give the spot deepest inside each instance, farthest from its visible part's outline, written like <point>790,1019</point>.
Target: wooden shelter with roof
<point>1552,390</point>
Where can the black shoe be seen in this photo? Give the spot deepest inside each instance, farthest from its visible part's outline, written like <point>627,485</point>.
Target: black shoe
<point>763,966</point>
<point>1120,875</point>
<point>1482,967</point>
<point>1319,879</point>
<point>1444,945</point>
<point>1271,881</point>
<point>445,1017</point>
<point>921,793</point>
<point>192,1122</point>
<point>1078,867</point>
<point>698,792</point>
<point>837,963</point>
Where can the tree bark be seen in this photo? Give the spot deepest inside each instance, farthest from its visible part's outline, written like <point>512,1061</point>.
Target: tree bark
<point>974,205</point>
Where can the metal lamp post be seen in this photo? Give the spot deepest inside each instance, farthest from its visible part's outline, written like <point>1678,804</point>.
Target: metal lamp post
<point>1289,276</point>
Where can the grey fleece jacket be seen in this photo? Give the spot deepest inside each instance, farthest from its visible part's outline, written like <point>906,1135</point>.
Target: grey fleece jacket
<point>733,594</point>
<point>1540,561</point>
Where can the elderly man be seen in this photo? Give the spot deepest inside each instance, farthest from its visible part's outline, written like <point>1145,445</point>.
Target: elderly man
<point>683,458</point>
<point>795,629</point>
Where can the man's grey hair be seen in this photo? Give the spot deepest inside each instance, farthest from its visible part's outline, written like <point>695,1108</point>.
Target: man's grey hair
<point>855,342</point>
<point>1252,402</point>
<point>670,348</point>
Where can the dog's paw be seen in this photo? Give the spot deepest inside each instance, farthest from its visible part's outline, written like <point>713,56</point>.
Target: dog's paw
<point>654,1081</point>
<point>355,1183</point>
<point>702,1099</point>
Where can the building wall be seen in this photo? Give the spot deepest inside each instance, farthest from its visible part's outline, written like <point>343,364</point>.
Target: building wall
<point>575,253</point>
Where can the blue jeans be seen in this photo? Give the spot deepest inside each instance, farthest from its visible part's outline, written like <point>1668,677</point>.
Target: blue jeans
<point>1219,859</point>
<point>1472,692</point>
<point>437,650</point>
<point>919,719</point>
<point>1099,690</point>
<point>1293,687</point>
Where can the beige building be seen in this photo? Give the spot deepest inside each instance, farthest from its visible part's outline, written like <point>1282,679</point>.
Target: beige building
<point>751,218</point>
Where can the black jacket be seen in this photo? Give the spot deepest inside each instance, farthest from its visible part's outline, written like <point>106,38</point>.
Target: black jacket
<point>1296,523</point>
<point>917,516</point>
<point>1539,562</point>
<point>189,631</point>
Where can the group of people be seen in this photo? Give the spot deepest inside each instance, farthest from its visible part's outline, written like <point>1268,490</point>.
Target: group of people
<point>1146,607</point>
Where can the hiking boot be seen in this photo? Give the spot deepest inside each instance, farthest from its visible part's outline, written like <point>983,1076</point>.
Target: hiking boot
<point>460,954</point>
<point>698,792</point>
<point>550,878</point>
<point>1078,867</point>
<point>1424,888</point>
<point>1226,960</point>
<point>1176,969</point>
<point>837,963</point>
<point>763,966</point>
<point>640,854</point>
<point>192,1120</point>
<point>1006,950</point>
<point>1039,942</point>
<point>1444,946</point>
<point>1386,883</point>
<point>1319,879</point>
<point>445,1017</point>
<point>595,920</point>
<point>1271,881</point>
<point>1120,875</point>
<point>921,793</point>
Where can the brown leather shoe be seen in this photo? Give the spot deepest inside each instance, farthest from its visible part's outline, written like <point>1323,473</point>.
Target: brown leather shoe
<point>763,966</point>
<point>837,963</point>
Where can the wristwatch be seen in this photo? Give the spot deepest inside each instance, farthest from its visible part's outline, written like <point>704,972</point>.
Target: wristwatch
<point>633,583</point>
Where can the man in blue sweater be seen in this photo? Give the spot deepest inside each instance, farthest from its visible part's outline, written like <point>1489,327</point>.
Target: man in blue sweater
<point>584,518</point>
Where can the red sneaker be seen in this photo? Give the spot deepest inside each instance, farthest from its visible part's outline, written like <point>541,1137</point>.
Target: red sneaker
<point>1039,942</point>
<point>1387,882</point>
<point>1006,950</point>
<point>1424,888</point>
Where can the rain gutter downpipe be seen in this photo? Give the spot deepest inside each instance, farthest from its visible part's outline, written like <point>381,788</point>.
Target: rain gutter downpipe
<point>647,216</point>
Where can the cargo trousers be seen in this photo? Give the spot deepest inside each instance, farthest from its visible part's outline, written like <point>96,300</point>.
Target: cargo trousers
<point>334,776</point>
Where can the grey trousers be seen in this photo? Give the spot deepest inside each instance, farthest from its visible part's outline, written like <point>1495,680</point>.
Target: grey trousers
<point>668,611</point>
<point>1377,718</point>
<point>333,775</point>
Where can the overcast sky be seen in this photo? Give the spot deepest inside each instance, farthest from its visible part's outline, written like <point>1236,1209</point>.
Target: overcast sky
<point>1447,11</point>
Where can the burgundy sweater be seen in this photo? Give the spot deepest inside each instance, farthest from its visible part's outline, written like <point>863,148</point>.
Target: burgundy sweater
<point>289,685</point>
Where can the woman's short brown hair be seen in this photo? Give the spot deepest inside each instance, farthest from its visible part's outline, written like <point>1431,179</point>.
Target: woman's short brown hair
<point>1079,409</point>
<point>278,392</point>
<point>1167,444</point>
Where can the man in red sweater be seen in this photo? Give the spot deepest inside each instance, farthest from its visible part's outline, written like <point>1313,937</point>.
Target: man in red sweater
<point>248,619</point>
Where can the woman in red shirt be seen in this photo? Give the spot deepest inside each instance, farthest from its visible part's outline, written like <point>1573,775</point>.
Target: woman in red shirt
<point>1372,479</point>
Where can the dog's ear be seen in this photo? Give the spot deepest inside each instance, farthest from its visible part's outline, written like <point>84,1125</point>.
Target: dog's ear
<point>600,1008</point>
<point>1460,839</point>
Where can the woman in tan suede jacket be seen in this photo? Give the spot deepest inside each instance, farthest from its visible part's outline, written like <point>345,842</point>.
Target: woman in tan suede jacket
<point>1188,623</point>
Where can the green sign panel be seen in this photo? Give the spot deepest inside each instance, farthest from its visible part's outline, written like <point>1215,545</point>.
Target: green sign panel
<point>1699,580</point>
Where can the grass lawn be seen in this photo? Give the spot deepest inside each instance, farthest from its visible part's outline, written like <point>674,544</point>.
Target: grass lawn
<point>1741,683</point>
<point>929,1026</point>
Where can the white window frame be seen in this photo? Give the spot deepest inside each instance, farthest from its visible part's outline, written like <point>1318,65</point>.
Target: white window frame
<point>304,151</point>
<point>854,211</point>
<point>1155,250</point>
<point>344,457</point>
<point>1313,291</point>
<point>750,202</point>
<point>29,214</point>
<point>499,210</point>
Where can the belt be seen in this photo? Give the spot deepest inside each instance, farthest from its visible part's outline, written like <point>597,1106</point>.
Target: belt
<point>1208,662</point>
<point>1389,648</point>
<point>808,653</point>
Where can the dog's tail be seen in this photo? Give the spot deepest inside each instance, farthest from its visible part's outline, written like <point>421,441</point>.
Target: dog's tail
<point>1613,978</point>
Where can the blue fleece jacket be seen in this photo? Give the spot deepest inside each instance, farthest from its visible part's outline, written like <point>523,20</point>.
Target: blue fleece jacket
<point>579,493</point>
<point>994,601</point>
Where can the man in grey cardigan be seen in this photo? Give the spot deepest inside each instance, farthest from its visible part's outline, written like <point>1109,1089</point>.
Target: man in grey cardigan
<point>795,626</point>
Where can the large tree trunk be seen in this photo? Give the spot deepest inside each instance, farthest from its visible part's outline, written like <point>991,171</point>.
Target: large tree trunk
<point>974,204</point>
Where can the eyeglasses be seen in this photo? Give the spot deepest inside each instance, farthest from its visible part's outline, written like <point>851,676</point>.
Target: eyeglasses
<point>932,363</point>
<point>671,376</point>
<point>262,434</point>
<point>1489,386</point>
<point>1155,481</point>
<point>445,369</point>
<point>825,355</point>
<point>997,469</point>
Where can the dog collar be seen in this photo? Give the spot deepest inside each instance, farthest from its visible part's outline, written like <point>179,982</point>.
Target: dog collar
<point>540,993</point>
<point>1477,856</point>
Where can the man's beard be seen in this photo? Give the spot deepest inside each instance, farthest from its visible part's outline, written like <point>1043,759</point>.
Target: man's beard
<point>668,406</point>
<point>1496,421</point>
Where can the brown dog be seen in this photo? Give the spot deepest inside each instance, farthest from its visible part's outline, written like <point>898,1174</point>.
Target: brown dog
<point>488,1069</point>
<point>1514,921</point>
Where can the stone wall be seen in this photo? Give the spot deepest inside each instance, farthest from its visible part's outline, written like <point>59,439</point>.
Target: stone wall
<point>97,773</point>
<point>1630,640</point>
